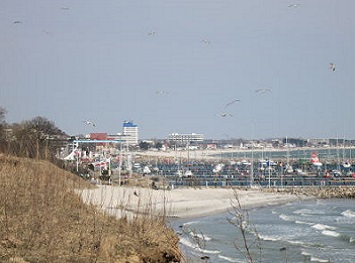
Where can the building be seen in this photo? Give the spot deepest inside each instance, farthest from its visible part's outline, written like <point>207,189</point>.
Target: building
<point>130,131</point>
<point>97,136</point>
<point>185,138</point>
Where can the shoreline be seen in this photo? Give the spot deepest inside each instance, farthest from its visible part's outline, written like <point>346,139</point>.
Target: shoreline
<point>181,202</point>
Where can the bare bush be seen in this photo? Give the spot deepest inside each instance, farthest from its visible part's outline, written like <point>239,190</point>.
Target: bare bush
<point>240,219</point>
<point>43,219</point>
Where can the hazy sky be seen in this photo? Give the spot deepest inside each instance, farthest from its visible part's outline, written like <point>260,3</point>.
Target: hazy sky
<point>173,65</point>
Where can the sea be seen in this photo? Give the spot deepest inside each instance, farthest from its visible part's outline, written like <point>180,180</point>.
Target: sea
<point>317,230</point>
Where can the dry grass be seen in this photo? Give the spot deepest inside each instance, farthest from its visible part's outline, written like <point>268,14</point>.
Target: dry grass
<point>42,219</point>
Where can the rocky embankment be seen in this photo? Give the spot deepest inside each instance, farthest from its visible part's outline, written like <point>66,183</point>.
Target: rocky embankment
<point>319,192</point>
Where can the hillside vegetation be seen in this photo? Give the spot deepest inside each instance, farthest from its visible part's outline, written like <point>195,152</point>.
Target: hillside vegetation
<point>43,219</point>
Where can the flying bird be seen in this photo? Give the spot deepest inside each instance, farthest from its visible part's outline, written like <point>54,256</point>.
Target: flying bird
<point>152,33</point>
<point>90,123</point>
<point>206,41</point>
<point>225,114</point>
<point>17,22</point>
<point>332,66</point>
<point>262,90</point>
<point>231,102</point>
<point>294,5</point>
<point>161,93</point>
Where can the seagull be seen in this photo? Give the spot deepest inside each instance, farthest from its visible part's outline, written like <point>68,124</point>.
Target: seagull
<point>161,93</point>
<point>90,123</point>
<point>230,103</point>
<point>294,5</point>
<point>262,90</point>
<point>332,66</point>
<point>225,114</point>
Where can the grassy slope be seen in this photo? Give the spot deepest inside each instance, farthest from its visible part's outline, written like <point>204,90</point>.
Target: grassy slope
<point>43,220</point>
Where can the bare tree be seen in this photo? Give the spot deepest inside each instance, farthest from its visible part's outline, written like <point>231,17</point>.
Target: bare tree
<point>34,138</point>
<point>2,128</point>
<point>240,219</point>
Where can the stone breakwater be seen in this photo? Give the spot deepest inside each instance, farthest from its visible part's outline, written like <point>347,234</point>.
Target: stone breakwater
<point>318,192</point>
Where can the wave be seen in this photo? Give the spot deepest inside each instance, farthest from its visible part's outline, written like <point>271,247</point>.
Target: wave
<point>330,233</point>
<point>303,211</point>
<point>303,223</point>
<point>194,246</point>
<point>286,217</point>
<point>313,258</point>
<point>305,244</point>
<point>323,227</point>
<point>200,236</point>
<point>308,212</point>
<point>229,259</point>
<point>348,213</point>
<point>269,238</point>
<point>191,223</point>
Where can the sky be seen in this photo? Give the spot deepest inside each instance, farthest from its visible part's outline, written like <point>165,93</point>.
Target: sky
<point>173,66</point>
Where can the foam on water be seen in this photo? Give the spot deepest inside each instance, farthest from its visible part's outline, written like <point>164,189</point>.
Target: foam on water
<point>303,211</point>
<point>330,233</point>
<point>269,238</point>
<point>229,259</point>
<point>310,231</point>
<point>348,213</point>
<point>304,244</point>
<point>191,223</point>
<point>323,227</point>
<point>200,236</point>
<point>286,217</point>
<point>303,223</point>
<point>194,246</point>
<point>308,212</point>
<point>315,259</point>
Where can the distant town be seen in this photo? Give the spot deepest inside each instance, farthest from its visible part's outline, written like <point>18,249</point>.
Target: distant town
<point>194,141</point>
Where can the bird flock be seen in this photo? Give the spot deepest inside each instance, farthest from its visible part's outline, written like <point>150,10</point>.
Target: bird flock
<point>226,108</point>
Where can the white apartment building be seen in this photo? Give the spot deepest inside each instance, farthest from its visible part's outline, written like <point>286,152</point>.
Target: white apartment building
<point>185,138</point>
<point>130,131</point>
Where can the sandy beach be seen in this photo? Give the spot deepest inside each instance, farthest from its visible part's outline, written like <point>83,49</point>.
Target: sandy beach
<point>178,203</point>
<point>184,154</point>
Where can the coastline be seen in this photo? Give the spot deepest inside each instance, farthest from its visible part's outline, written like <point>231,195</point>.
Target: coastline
<point>181,202</point>
<point>123,201</point>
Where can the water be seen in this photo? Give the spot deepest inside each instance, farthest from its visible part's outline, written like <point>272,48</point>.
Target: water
<point>308,231</point>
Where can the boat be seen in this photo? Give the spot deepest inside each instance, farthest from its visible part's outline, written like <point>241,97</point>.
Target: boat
<point>346,164</point>
<point>315,160</point>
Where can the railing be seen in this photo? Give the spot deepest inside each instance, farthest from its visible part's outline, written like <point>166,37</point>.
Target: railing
<point>265,182</point>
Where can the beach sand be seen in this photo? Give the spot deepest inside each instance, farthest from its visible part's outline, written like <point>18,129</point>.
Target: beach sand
<point>184,154</point>
<point>178,203</point>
